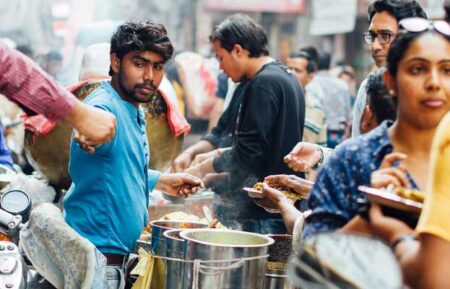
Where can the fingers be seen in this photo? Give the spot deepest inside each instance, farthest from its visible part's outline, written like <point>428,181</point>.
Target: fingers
<point>298,186</point>
<point>181,163</point>
<point>391,158</point>
<point>389,176</point>
<point>83,143</point>
<point>297,149</point>
<point>296,164</point>
<point>189,185</point>
<point>273,194</point>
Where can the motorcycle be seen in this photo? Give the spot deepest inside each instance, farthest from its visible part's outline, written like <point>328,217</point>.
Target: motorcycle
<point>15,271</point>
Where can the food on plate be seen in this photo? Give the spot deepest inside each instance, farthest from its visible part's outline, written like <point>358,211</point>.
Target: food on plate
<point>409,194</point>
<point>288,193</point>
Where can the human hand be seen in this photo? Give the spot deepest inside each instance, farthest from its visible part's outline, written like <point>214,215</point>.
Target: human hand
<point>292,182</point>
<point>275,196</point>
<point>93,126</point>
<point>384,227</point>
<point>182,161</point>
<point>179,184</point>
<point>303,157</point>
<point>387,174</point>
<point>202,157</point>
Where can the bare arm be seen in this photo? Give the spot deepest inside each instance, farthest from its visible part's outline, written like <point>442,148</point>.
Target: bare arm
<point>184,160</point>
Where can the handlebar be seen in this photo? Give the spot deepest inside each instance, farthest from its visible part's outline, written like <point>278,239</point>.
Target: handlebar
<point>9,221</point>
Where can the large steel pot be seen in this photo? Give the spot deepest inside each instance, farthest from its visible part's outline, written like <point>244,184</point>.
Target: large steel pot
<point>49,154</point>
<point>159,227</point>
<point>228,259</point>
<point>176,249</point>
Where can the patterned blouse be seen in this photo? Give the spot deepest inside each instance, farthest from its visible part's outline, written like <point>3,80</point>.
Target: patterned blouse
<point>333,199</point>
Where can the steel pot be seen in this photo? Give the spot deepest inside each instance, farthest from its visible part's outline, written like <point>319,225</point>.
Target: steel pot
<point>228,259</point>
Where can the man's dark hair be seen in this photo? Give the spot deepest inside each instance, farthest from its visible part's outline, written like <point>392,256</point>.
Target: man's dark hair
<point>312,52</point>
<point>311,66</point>
<point>400,9</point>
<point>324,61</point>
<point>381,103</point>
<point>141,36</point>
<point>241,29</point>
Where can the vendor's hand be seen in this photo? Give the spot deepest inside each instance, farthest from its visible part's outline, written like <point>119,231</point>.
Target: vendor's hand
<point>384,227</point>
<point>303,157</point>
<point>179,184</point>
<point>291,182</point>
<point>387,174</point>
<point>202,157</point>
<point>94,126</point>
<point>182,161</point>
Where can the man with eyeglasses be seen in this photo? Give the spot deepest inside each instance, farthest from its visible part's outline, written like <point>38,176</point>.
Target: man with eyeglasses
<point>384,16</point>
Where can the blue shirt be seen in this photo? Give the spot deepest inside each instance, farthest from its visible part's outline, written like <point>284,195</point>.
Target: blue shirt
<point>333,199</point>
<point>108,200</point>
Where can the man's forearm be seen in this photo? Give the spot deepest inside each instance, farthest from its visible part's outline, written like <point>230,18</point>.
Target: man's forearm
<point>200,148</point>
<point>24,82</point>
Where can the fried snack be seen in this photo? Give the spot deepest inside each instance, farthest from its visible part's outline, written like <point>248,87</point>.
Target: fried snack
<point>409,194</point>
<point>290,194</point>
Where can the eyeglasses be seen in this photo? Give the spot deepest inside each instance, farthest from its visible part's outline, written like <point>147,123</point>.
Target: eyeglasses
<point>383,37</point>
<point>416,24</point>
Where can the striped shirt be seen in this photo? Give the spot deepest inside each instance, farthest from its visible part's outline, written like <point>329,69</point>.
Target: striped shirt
<point>25,83</point>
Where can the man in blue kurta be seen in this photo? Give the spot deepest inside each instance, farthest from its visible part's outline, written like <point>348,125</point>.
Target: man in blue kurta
<point>108,199</point>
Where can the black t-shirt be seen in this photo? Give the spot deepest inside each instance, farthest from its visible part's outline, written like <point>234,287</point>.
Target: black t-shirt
<point>270,124</point>
<point>221,135</point>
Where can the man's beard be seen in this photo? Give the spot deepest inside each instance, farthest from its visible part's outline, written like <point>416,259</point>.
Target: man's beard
<point>133,94</point>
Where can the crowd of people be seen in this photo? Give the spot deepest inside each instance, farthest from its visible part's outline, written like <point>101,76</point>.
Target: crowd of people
<point>292,126</point>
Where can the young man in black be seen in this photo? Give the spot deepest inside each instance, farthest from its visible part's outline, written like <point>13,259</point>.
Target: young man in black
<point>269,123</point>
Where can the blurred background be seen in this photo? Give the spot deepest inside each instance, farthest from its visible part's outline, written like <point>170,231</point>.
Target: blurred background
<point>55,32</point>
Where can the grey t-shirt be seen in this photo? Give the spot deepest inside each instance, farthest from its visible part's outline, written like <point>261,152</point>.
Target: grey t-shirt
<point>358,109</point>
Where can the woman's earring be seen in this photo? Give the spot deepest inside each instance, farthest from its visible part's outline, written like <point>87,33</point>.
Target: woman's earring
<point>391,92</point>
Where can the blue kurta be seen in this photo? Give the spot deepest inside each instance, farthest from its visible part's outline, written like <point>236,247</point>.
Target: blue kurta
<point>108,199</point>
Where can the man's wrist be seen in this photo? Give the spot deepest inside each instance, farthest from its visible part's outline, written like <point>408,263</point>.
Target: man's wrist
<point>319,163</point>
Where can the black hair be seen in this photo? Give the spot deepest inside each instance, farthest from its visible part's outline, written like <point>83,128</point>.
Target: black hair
<point>141,36</point>
<point>324,61</point>
<point>311,66</point>
<point>401,44</point>
<point>400,9</point>
<point>312,52</point>
<point>381,103</point>
<point>241,29</point>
